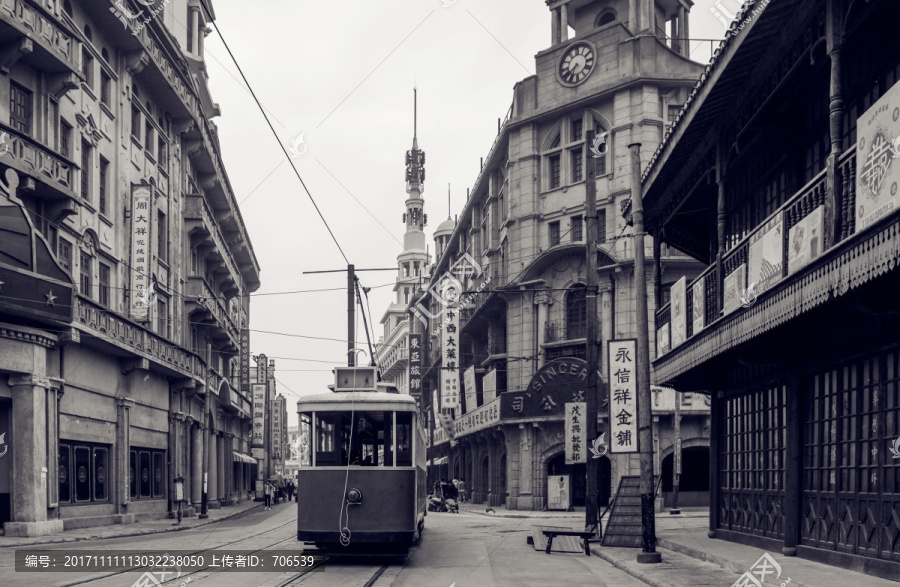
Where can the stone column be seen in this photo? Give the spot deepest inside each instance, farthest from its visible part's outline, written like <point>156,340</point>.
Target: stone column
<point>554,27</point>
<point>196,465</point>
<point>228,457</point>
<point>542,300</point>
<point>220,469</point>
<point>29,458</point>
<point>526,446</point>
<point>212,487</point>
<point>564,23</point>
<point>176,466</point>
<point>122,450</point>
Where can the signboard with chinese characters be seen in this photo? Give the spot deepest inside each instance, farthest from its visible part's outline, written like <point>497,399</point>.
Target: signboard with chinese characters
<point>576,432</point>
<point>489,386</point>
<point>698,298</point>
<point>450,359</point>
<point>805,240</point>
<point>415,365</point>
<point>469,384</point>
<point>557,383</point>
<point>766,255</point>
<point>258,436</point>
<point>678,311</point>
<point>141,200</point>
<point>484,417</point>
<point>262,370</point>
<point>735,287</point>
<point>877,170</point>
<point>277,434</point>
<point>245,362</point>
<point>623,407</point>
<point>559,492</point>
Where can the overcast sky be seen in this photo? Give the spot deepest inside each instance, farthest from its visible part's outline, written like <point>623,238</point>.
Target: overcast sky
<point>342,74</point>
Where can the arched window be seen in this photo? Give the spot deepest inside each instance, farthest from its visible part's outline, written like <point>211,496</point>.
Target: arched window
<point>576,312</point>
<point>67,7</point>
<point>606,17</point>
<point>89,35</point>
<point>565,153</point>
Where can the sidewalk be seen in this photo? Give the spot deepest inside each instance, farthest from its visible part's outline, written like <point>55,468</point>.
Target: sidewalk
<point>136,529</point>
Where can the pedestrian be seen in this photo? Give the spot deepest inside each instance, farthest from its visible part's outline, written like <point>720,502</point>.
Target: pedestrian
<point>270,491</point>
<point>290,490</point>
<point>462,490</point>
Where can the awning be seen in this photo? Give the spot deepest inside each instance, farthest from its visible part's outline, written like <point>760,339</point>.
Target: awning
<point>439,461</point>
<point>240,457</point>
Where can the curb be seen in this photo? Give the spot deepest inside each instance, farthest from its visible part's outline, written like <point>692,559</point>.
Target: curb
<point>645,577</point>
<point>62,539</point>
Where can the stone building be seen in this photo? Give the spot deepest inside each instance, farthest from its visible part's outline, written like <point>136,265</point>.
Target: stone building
<point>125,269</point>
<point>780,174</point>
<point>519,253</point>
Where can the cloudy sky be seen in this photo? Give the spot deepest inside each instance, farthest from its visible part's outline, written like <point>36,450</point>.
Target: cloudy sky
<point>341,74</point>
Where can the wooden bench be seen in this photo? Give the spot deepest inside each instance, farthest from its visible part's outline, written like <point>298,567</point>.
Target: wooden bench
<point>551,534</point>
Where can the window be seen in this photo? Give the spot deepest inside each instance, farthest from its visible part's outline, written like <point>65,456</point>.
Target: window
<point>600,162</point>
<point>405,295</point>
<point>147,473</point>
<point>87,67</point>
<point>601,226</point>
<point>162,232</point>
<point>373,437</point>
<point>406,270</point>
<point>576,312</point>
<point>65,138</point>
<point>416,268</point>
<point>554,233</point>
<point>20,107</point>
<point>53,124</point>
<point>148,136</point>
<point>577,165</point>
<point>554,172</point>
<point>162,152</point>
<point>673,112</point>
<point>86,266</point>
<point>65,254</point>
<point>136,123</point>
<point>104,284</point>
<point>577,233</point>
<point>576,131</point>
<point>162,318</point>
<point>104,172</point>
<point>83,472</point>
<point>86,171</point>
<point>606,18</point>
<point>105,82</point>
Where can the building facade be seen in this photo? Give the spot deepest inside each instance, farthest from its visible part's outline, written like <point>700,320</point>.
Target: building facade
<point>780,175</point>
<point>125,269</point>
<point>519,253</point>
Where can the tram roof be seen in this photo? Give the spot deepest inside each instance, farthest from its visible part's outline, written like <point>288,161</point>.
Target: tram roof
<point>361,400</point>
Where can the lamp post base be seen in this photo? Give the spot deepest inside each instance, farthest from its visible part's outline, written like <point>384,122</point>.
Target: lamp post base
<point>649,557</point>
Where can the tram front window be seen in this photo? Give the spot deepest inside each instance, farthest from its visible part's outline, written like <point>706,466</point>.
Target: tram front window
<point>359,438</point>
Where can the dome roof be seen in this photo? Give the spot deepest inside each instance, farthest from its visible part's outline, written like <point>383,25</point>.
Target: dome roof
<point>445,227</point>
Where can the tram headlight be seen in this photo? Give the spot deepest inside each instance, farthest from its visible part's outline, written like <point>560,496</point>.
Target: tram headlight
<point>354,496</point>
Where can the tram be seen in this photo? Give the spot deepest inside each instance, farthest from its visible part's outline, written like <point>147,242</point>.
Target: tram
<point>361,482</point>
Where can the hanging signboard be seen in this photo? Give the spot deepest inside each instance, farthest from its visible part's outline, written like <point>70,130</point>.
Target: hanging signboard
<point>478,419</point>
<point>450,360</point>
<point>558,382</point>
<point>662,340</point>
<point>245,362</point>
<point>698,299</point>
<point>678,311</point>
<point>576,432</point>
<point>278,406</point>
<point>735,288</point>
<point>766,263</point>
<point>623,407</point>
<point>805,240</point>
<point>558,492</point>
<point>259,415</point>
<point>877,168</point>
<point>141,196</point>
<point>415,366</point>
<point>469,384</point>
<point>489,386</point>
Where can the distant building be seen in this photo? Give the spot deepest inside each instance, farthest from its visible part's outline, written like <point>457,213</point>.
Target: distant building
<point>519,253</point>
<point>125,269</point>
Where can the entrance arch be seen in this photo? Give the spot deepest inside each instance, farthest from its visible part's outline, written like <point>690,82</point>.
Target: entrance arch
<point>578,478</point>
<point>693,487</point>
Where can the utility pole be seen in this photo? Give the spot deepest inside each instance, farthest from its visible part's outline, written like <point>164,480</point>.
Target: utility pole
<point>676,457</point>
<point>590,217</point>
<point>645,436</point>
<point>351,315</point>
<point>204,431</point>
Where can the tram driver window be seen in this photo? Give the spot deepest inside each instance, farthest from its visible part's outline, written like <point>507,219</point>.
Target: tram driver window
<point>404,439</point>
<point>358,439</point>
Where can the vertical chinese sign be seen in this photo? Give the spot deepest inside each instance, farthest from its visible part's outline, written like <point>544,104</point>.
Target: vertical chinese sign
<point>622,363</point>
<point>259,415</point>
<point>471,393</point>
<point>415,366</point>
<point>140,251</point>
<point>450,360</point>
<point>245,362</point>
<point>276,433</point>
<point>576,432</point>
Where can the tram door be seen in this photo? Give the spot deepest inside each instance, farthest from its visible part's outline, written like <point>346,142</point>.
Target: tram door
<point>5,463</point>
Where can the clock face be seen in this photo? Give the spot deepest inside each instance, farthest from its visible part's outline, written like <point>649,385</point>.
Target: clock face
<point>576,64</point>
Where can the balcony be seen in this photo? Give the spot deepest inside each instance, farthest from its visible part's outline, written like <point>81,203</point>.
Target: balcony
<point>32,31</point>
<point>54,173</point>
<point>727,300</point>
<point>561,340</point>
<point>396,360</point>
<point>113,331</point>
<point>204,306</point>
<point>199,220</point>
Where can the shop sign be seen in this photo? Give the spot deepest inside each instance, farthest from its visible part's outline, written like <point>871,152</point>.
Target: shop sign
<point>259,415</point>
<point>623,406</point>
<point>576,432</point>
<point>877,151</point>
<point>484,417</point>
<point>735,287</point>
<point>766,264</point>
<point>245,362</point>
<point>141,251</point>
<point>489,386</point>
<point>558,382</point>
<point>805,240</point>
<point>469,384</point>
<point>678,311</point>
<point>450,360</point>
<point>698,299</point>
<point>415,366</point>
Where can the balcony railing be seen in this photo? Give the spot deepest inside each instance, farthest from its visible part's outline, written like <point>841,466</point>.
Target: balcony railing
<point>35,160</point>
<point>737,259</point>
<point>196,208</point>
<point>199,289</point>
<point>56,50</point>
<point>559,332</point>
<point>115,329</point>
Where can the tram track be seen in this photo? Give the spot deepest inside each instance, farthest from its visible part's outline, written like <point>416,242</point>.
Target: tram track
<point>181,578</point>
<point>300,577</point>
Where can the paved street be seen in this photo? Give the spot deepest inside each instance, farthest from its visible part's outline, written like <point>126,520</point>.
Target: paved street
<point>465,549</point>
